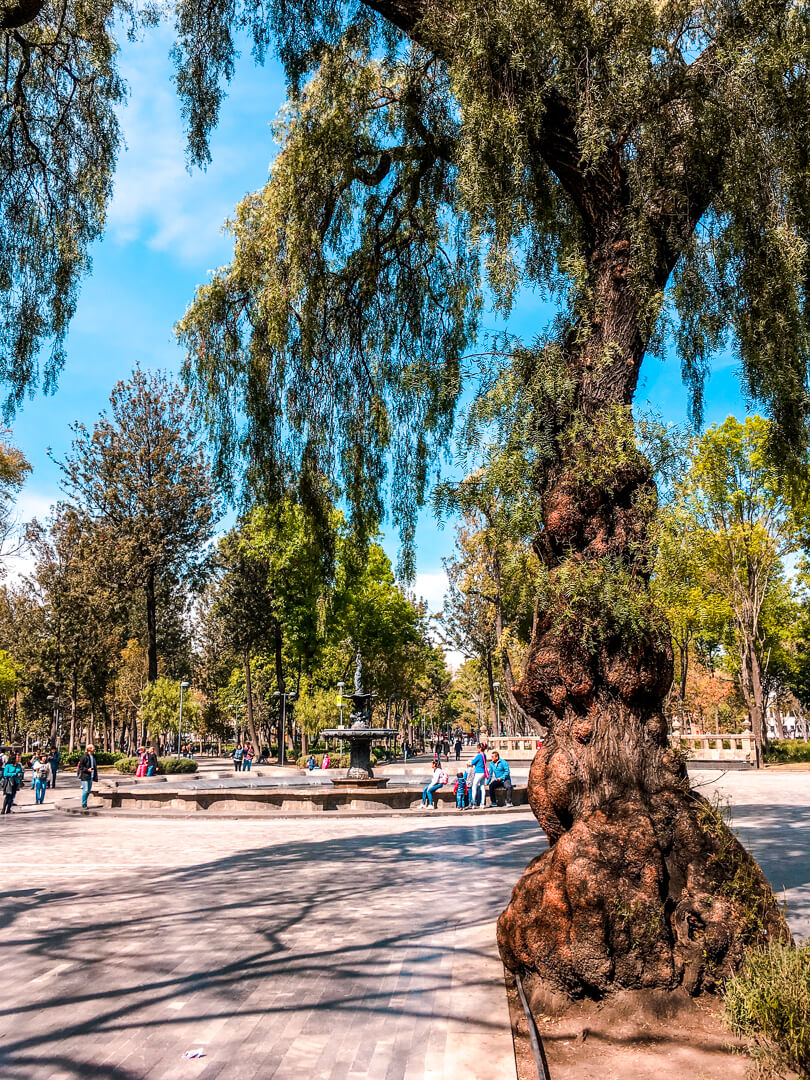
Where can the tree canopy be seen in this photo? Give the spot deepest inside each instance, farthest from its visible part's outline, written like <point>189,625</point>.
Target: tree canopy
<point>431,151</point>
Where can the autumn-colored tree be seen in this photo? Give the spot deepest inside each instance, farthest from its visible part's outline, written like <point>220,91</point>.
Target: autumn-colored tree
<point>740,520</point>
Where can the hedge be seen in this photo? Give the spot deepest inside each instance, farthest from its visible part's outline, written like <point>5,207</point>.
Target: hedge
<point>71,760</point>
<point>336,761</point>
<point>164,765</point>
<point>782,750</point>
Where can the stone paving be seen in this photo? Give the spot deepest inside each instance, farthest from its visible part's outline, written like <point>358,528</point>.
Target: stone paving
<point>287,949</point>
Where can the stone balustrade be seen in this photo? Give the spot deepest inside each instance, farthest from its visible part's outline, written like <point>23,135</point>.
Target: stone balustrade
<point>723,747</point>
<point>514,747</point>
<point>738,747</point>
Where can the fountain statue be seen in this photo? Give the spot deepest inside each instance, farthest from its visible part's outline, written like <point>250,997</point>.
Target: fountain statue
<point>360,735</point>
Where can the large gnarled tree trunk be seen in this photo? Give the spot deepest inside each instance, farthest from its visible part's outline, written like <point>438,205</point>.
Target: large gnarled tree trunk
<point>644,885</point>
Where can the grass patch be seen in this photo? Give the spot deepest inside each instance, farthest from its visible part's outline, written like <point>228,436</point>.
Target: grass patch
<point>769,1003</point>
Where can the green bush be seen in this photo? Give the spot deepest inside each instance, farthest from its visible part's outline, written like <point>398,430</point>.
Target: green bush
<point>769,1002</point>
<point>336,761</point>
<point>176,765</point>
<point>128,765</point>
<point>103,757</point>
<point>782,750</point>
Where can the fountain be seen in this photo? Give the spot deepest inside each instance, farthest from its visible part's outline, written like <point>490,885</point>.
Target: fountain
<point>360,736</point>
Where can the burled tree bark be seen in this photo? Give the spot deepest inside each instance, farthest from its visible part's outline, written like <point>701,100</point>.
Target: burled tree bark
<point>644,885</point>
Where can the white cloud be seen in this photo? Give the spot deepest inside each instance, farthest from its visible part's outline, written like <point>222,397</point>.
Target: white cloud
<point>28,505</point>
<point>431,587</point>
<point>156,199</point>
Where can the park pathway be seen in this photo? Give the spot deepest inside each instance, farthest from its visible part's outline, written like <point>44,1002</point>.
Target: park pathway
<point>309,948</point>
<point>287,949</point>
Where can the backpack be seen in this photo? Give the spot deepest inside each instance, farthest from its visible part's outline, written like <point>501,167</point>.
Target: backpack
<point>443,778</point>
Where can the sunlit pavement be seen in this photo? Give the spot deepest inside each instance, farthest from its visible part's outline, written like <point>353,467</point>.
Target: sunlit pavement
<point>287,948</point>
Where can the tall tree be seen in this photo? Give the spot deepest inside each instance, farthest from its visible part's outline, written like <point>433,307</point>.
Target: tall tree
<point>141,479</point>
<point>579,148</point>
<point>744,520</point>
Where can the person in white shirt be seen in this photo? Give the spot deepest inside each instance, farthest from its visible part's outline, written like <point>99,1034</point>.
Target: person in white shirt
<point>438,780</point>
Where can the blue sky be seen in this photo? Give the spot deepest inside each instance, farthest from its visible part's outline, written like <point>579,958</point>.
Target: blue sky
<point>164,235</point>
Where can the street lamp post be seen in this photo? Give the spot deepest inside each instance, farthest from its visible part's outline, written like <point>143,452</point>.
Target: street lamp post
<point>497,688</point>
<point>183,686</point>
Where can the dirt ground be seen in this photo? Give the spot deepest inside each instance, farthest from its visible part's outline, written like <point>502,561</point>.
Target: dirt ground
<point>637,1035</point>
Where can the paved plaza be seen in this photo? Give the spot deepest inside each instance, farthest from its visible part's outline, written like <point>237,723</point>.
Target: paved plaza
<point>288,948</point>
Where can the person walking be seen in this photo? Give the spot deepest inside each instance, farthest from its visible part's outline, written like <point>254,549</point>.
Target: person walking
<point>237,756</point>
<point>457,748</point>
<point>479,763</point>
<point>33,763</point>
<point>247,757</point>
<point>87,772</point>
<point>42,776</point>
<point>499,777</point>
<point>12,781</point>
<point>55,759</point>
<point>151,761</point>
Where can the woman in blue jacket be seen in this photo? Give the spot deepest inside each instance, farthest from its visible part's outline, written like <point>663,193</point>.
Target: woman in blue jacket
<point>12,782</point>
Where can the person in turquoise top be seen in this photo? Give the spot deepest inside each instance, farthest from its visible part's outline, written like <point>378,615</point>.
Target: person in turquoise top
<point>479,763</point>
<point>12,781</point>
<point>499,777</point>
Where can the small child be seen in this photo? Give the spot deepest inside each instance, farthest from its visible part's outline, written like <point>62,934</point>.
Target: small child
<point>460,791</point>
<point>469,781</point>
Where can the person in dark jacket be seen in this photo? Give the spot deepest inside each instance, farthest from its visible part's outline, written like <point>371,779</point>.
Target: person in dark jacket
<point>151,761</point>
<point>87,772</point>
<point>56,757</point>
<point>12,782</point>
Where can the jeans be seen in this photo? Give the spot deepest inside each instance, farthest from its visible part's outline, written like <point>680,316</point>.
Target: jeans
<point>150,771</point>
<point>39,790</point>
<point>478,788</point>
<point>246,766</point>
<point>86,788</point>
<point>53,776</point>
<point>8,802</point>
<point>461,798</point>
<point>429,794</point>
<point>493,787</point>
<point>237,765</point>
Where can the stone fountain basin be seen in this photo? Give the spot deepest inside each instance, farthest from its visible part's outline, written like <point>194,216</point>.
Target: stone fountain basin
<point>366,782</point>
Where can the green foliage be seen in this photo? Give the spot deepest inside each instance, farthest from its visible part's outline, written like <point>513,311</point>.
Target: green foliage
<point>9,676</point>
<point>160,707</point>
<point>177,765</point>
<point>103,757</point>
<point>167,765</point>
<point>735,518</point>
<point>784,750</point>
<point>141,483</point>
<point>769,1002</point>
<point>336,761</point>
<point>441,148</point>
<point>58,142</point>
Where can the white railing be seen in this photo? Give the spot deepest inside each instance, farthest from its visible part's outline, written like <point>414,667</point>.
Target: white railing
<point>724,747</point>
<point>516,747</point>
